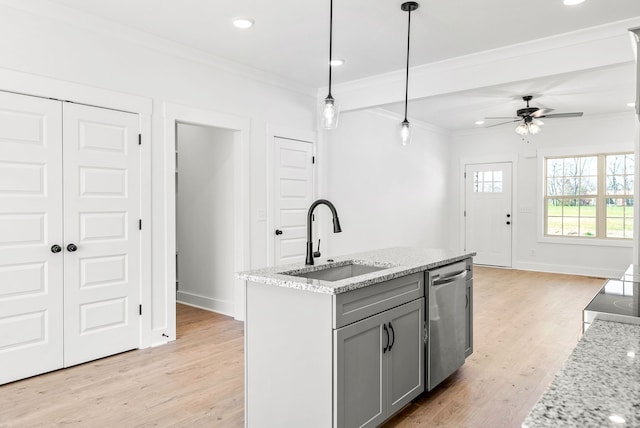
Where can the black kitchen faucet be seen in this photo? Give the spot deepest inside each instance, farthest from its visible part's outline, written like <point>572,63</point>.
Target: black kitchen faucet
<point>336,228</point>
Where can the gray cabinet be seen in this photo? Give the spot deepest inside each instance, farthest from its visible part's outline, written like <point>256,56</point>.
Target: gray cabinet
<point>378,365</point>
<point>321,360</point>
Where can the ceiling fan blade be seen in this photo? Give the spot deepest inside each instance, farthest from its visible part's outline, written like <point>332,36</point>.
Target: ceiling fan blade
<point>503,123</point>
<point>556,115</point>
<point>541,112</point>
<point>503,117</point>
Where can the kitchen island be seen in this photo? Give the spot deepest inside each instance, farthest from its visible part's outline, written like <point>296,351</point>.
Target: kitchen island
<point>599,386</point>
<point>344,342</point>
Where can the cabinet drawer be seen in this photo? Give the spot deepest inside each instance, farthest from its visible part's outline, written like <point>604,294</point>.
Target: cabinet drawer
<point>358,304</point>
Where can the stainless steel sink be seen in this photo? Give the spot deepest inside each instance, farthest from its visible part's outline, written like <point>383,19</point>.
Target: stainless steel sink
<point>336,273</point>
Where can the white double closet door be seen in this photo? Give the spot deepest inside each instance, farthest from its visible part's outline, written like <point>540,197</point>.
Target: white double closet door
<point>69,235</point>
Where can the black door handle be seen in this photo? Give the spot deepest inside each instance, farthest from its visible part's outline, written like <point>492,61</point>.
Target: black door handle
<point>278,232</point>
<point>508,215</point>
<point>71,248</point>
<point>508,222</point>
<point>393,338</point>
<point>56,248</point>
<point>387,332</point>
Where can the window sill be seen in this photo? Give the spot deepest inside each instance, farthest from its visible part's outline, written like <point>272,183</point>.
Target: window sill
<point>587,241</point>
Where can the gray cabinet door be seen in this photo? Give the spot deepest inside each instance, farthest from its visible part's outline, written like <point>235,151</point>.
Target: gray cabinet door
<point>358,373</point>
<point>378,365</point>
<point>405,360</point>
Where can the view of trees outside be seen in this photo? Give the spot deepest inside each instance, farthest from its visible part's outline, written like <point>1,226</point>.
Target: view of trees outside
<point>619,182</point>
<point>573,195</point>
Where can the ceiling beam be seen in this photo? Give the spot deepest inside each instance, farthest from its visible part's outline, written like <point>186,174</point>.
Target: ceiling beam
<point>581,50</point>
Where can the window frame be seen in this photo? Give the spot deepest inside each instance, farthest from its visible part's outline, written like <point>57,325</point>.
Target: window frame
<point>569,152</point>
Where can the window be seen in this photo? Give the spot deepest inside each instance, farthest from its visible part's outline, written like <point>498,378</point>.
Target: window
<point>487,181</point>
<point>589,197</point>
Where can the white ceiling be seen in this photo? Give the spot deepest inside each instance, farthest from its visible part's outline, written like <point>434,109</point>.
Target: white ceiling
<point>290,40</point>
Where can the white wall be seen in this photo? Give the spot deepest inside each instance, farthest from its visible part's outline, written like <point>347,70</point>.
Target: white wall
<point>205,217</point>
<point>386,195</point>
<point>502,143</point>
<point>71,47</point>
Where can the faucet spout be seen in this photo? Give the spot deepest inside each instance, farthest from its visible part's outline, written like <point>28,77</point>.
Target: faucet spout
<point>336,226</point>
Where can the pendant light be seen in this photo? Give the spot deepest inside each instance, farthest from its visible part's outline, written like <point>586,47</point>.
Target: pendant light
<point>331,110</point>
<point>405,126</point>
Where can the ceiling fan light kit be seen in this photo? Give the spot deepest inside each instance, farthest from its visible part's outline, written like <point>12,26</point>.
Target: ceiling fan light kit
<point>529,118</point>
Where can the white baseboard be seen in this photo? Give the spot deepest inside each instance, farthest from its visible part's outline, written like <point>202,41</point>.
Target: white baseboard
<point>223,307</point>
<point>570,270</point>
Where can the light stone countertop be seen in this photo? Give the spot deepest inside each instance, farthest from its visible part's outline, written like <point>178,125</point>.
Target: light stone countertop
<point>399,261</point>
<point>598,385</point>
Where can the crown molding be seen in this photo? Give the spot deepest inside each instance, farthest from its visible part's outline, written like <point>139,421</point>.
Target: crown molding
<point>548,56</point>
<point>72,17</point>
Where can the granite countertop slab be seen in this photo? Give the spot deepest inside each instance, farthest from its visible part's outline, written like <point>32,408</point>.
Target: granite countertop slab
<point>396,262</point>
<point>599,386</point>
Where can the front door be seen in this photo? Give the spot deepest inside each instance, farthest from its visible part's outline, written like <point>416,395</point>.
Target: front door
<point>293,162</point>
<point>488,216</point>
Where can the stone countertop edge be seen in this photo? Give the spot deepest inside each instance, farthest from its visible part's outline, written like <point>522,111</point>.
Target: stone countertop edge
<point>598,385</point>
<point>399,261</point>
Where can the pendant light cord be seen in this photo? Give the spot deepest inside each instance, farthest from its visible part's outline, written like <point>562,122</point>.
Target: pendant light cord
<point>406,87</point>
<point>330,43</point>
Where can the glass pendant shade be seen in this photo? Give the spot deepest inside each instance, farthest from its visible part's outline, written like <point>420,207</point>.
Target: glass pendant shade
<point>406,132</point>
<point>330,113</point>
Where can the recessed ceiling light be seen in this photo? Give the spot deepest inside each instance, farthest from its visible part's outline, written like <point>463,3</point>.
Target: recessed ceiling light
<point>572,2</point>
<point>631,104</point>
<point>243,22</point>
<point>336,62</point>
<point>479,122</point>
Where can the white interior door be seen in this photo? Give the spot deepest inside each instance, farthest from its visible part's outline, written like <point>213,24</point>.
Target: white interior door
<point>31,291</point>
<point>488,215</point>
<point>293,162</point>
<point>101,214</point>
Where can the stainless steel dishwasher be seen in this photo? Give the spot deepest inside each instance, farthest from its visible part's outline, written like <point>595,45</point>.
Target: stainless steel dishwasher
<point>445,339</point>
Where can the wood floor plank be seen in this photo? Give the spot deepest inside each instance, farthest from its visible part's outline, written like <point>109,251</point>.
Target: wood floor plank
<point>526,325</point>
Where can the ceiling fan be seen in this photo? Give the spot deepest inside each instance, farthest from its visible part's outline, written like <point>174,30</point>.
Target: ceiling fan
<point>529,118</point>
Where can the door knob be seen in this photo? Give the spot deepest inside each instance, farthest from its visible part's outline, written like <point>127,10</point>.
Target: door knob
<point>278,232</point>
<point>71,248</point>
<point>508,215</point>
<point>56,248</point>
<point>508,222</point>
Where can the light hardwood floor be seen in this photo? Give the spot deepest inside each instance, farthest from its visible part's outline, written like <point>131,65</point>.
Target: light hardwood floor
<point>526,325</point>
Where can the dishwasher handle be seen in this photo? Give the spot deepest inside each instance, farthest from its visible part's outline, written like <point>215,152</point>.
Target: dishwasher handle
<point>449,278</point>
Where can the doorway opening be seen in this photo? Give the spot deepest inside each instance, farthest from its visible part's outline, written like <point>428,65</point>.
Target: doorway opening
<point>232,135</point>
<point>205,217</point>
